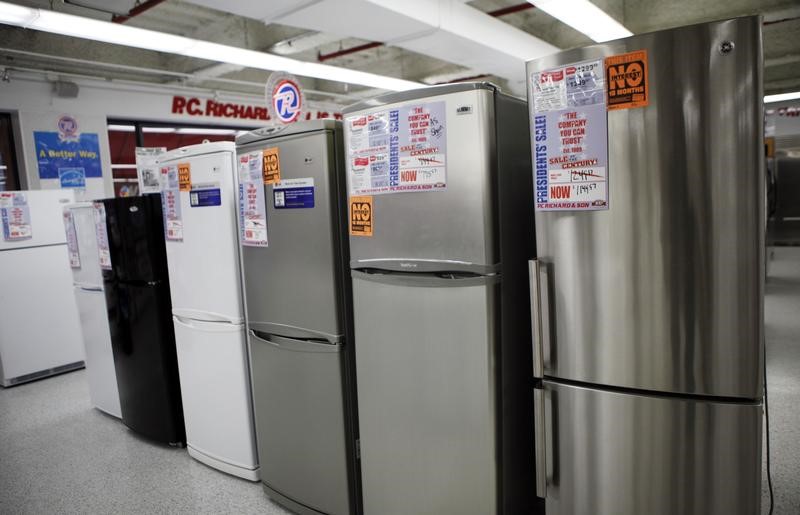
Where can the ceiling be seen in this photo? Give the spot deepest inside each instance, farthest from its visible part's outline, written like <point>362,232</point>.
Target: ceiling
<point>427,41</point>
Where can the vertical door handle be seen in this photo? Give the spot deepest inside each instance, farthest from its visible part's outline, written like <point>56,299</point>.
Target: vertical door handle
<point>540,315</point>
<point>540,441</point>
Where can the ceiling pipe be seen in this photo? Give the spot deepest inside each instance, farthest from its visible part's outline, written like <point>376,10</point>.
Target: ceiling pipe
<point>375,44</point>
<point>136,11</point>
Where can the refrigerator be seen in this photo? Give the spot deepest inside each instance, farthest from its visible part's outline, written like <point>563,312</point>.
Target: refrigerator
<point>40,334</point>
<point>207,310</point>
<point>441,231</point>
<point>87,283</point>
<point>647,290</point>
<point>136,284</point>
<point>298,306</point>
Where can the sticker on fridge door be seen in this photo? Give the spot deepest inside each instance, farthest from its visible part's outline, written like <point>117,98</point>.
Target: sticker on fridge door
<point>72,239</point>
<point>15,216</point>
<point>626,77</point>
<point>293,193</point>
<point>101,233</point>
<point>570,144</point>
<point>171,201</point>
<point>184,176</point>
<point>406,153</point>
<point>271,165</point>
<point>204,195</point>
<point>361,216</point>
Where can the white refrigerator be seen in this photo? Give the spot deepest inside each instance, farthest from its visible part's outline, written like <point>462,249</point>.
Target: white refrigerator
<point>90,297</point>
<point>40,334</point>
<point>200,207</point>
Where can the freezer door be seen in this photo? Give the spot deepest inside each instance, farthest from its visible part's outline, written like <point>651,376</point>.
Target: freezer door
<point>215,388</point>
<point>136,238</point>
<point>291,285</point>
<point>612,453</point>
<point>47,226</point>
<point>426,393</point>
<point>143,344</point>
<point>39,325</point>
<point>453,229</point>
<point>89,272</point>
<point>664,290</point>
<point>298,398</point>
<point>204,268</point>
<point>99,357</point>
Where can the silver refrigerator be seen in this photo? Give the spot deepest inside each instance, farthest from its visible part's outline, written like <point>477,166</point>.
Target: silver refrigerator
<point>298,307</point>
<point>440,235</point>
<point>647,293</point>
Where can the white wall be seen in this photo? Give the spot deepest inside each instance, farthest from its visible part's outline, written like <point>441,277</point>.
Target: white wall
<point>29,97</point>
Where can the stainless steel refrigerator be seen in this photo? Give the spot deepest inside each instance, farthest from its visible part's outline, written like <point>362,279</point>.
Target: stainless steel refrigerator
<point>299,314</point>
<point>440,234</point>
<point>647,292</point>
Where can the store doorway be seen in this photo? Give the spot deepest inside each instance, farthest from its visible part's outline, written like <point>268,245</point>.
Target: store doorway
<point>9,173</point>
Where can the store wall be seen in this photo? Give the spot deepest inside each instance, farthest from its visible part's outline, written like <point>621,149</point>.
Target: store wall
<point>34,106</point>
<point>783,123</point>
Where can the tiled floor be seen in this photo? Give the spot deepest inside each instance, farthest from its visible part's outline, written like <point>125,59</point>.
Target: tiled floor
<point>59,455</point>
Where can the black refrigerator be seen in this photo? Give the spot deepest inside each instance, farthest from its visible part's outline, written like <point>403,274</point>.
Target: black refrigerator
<point>140,319</point>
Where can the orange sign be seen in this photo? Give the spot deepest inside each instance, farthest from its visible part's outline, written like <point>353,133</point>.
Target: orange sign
<point>769,147</point>
<point>184,177</point>
<point>626,80</point>
<point>361,216</point>
<point>271,171</point>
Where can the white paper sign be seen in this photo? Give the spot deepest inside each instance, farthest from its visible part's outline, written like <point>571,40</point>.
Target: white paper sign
<point>147,169</point>
<point>101,233</point>
<point>72,239</point>
<point>252,204</point>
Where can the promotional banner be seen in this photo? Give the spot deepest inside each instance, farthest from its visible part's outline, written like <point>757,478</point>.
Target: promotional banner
<point>70,159</point>
<point>101,233</point>
<point>570,138</point>
<point>252,204</point>
<point>403,149</point>
<point>72,239</point>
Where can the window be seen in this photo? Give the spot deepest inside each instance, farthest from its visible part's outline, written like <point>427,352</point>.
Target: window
<point>125,136</point>
<point>9,174</point>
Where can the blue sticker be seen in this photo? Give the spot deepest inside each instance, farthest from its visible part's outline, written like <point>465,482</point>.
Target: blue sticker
<point>54,151</point>
<point>206,197</point>
<point>294,193</point>
<point>72,177</point>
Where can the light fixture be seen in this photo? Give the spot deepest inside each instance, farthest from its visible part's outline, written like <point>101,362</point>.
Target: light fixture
<point>206,132</point>
<point>159,130</point>
<point>781,97</point>
<point>97,30</point>
<point>585,17</point>
<point>122,128</point>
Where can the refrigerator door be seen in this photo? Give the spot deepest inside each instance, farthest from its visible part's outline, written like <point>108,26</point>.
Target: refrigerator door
<point>99,358</point>
<point>88,274</point>
<point>216,395</point>
<point>664,290</point>
<point>292,283</point>
<point>136,238</point>
<point>302,430</point>
<point>145,361</point>
<point>204,268</point>
<point>463,237</point>
<point>426,393</point>
<point>45,208</point>
<point>613,453</point>
<point>40,331</point>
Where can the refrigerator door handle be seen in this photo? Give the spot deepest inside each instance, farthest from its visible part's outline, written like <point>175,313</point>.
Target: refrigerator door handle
<point>540,440</point>
<point>540,316</point>
<point>292,344</point>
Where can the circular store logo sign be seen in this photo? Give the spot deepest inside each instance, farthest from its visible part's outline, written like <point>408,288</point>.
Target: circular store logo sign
<point>285,97</point>
<point>67,127</point>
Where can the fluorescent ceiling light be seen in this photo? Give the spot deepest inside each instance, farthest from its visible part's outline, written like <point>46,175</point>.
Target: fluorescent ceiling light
<point>204,132</point>
<point>781,97</point>
<point>86,28</point>
<point>122,128</point>
<point>161,130</point>
<point>585,17</point>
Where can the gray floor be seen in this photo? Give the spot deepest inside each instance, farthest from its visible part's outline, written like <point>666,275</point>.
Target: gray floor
<point>58,455</point>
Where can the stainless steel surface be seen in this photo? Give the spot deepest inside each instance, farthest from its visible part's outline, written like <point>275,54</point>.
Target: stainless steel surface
<point>622,454</point>
<point>286,130</point>
<point>301,429</point>
<point>292,282</point>
<point>448,230</point>
<point>539,438</point>
<point>664,290</point>
<point>416,94</point>
<point>426,372</point>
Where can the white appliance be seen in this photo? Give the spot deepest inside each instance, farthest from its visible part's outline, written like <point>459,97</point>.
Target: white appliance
<point>40,334</point>
<point>207,307</point>
<point>87,282</point>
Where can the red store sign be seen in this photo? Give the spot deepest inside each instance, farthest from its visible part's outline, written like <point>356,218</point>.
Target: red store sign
<point>194,106</point>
